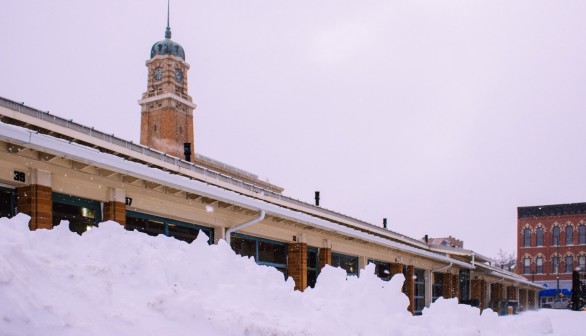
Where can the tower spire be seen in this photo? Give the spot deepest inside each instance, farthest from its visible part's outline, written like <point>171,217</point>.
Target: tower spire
<point>168,30</point>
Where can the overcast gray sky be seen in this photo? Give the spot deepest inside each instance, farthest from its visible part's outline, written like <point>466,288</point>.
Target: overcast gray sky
<point>442,116</point>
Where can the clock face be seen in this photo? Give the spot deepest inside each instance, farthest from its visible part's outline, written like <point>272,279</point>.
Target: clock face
<point>178,75</point>
<point>158,73</point>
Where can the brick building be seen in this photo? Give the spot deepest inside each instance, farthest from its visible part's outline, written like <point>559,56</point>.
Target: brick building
<point>551,243</point>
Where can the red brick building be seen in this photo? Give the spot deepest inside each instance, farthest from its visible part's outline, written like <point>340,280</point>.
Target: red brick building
<point>551,243</point>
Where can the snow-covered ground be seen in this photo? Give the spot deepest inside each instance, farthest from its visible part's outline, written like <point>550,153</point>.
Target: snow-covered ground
<point>114,282</point>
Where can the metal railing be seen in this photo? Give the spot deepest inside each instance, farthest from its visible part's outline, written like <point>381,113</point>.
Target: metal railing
<point>70,124</point>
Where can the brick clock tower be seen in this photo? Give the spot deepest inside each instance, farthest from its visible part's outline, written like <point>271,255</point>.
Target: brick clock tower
<point>166,107</point>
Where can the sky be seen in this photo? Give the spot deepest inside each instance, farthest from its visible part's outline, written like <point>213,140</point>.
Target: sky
<point>442,116</point>
<point>110,281</point>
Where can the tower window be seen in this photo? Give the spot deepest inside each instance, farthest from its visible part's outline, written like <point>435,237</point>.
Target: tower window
<point>180,130</point>
<point>155,128</point>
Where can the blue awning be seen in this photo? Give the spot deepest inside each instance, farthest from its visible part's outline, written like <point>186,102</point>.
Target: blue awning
<point>553,292</point>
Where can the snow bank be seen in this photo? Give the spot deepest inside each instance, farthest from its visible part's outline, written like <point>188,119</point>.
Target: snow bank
<point>112,282</point>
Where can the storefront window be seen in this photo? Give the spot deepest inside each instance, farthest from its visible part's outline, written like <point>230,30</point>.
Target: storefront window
<point>349,263</point>
<point>438,286</point>
<point>464,278</point>
<point>7,202</point>
<point>419,297</point>
<point>312,266</point>
<point>81,213</point>
<point>382,269</point>
<point>265,252</point>
<point>154,225</point>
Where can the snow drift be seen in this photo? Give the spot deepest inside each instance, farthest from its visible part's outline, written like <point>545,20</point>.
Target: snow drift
<point>112,282</point>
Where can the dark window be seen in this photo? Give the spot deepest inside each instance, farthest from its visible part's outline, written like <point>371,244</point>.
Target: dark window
<point>419,294</point>
<point>438,286</point>
<point>265,252</point>
<point>82,214</point>
<point>539,265</point>
<point>243,246</point>
<point>555,237</point>
<point>569,264</point>
<point>349,263</point>
<point>272,252</point>
<point>7,202</point>
<point>312,266</point>
<point>464,279</point>
<point>539,236</point>
<point>582,234</point>
<point>527,237</point>
<point>527,265</point>
<point>382,269</point>
<point>155,225</point>
<point>569,235</point>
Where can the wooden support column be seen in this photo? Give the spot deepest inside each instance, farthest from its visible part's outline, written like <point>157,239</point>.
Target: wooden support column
<point>325,255</point>
<point>477,292</point>
<point>456,286</point>
<point>297,264</point>
<point>409,286</point>
<point>531,301</point>
<point>522,299</point>
<point>36,200</point>
<point>447,289</point>
<point>115,208</point>
<point>512,293</point>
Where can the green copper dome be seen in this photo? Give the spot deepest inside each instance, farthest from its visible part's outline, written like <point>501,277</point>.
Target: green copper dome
<point>167,46</point>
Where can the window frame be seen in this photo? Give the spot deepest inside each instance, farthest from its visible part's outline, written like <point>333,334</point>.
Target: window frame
<point>526,265</point>
<point>539,265</point>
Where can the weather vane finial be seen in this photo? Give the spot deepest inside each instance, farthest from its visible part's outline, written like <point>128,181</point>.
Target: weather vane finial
<point>168,30</point>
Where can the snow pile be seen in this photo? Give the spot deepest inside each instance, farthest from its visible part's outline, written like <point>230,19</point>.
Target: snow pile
<point>112,282</point>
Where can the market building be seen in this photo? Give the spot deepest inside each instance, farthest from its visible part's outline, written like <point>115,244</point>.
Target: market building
<point>55,169</point>
<point>551,244</point>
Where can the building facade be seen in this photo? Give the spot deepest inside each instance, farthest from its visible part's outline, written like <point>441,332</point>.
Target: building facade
<point>551,243</point>
<point>63,173</point>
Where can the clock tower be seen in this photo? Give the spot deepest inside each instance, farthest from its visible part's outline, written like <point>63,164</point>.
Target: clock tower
<point>166,107</point>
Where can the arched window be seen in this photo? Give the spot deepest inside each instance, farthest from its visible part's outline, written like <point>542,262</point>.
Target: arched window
<point>569,235</point>
<point>555,236</point>
<point>527,237</point>
<point>569,264</point>
<point>582,262</point>
<point>527,265</point>
<point>539,236</point>
<point>582,234</point>
<point>539,265</point>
